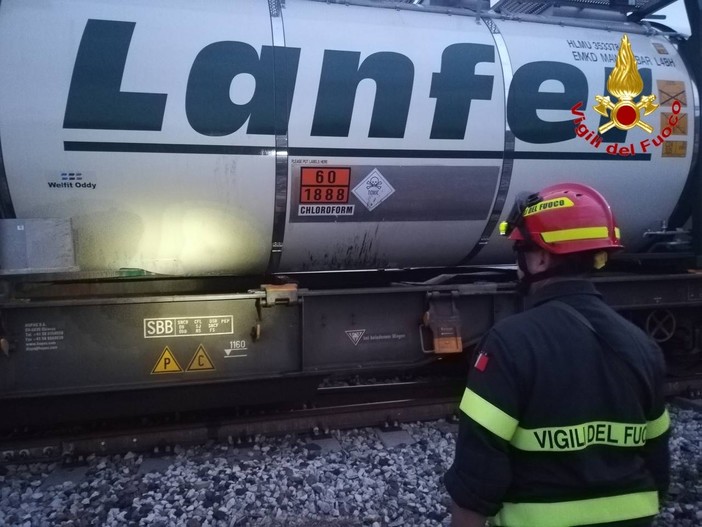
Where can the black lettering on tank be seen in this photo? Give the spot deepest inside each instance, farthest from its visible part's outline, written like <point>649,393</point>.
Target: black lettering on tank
<point>393,74</point>
<point>208,104</point>
<point>525,100</point>
<point>95,101</point>
<point>456,86</point>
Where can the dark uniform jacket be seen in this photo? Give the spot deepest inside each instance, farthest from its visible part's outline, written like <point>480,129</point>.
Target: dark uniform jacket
<point>562,425</point>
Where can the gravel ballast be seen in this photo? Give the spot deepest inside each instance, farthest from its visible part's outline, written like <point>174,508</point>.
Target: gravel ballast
<point>355,477</point>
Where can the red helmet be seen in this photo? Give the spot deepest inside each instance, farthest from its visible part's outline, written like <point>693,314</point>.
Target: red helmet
<point>563,219</point>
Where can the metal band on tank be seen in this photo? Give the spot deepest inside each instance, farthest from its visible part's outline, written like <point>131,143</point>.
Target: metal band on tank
<point>274,7</point>
<point>696,136</point>
<point>505,176</point>
<point>696,127</point>
<point>6,208</point>
<point>696,215</point>
<point>280,203</point>
<point>678,217</point>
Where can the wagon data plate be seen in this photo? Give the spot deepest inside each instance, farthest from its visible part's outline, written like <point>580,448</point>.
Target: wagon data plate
<point>188,326</point>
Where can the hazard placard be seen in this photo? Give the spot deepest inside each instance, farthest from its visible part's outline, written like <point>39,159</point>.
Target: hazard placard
<point>324,184</point>
<point>670,91</point>
<point>680,127</point>
<point>674,149</point>
<point>167,363</point>
<point>201,360</point>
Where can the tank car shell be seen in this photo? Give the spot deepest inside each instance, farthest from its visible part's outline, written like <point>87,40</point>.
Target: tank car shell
<point>189,139</point>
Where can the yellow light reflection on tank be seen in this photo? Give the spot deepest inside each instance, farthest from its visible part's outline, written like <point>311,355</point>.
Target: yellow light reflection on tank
<point>200,239</point>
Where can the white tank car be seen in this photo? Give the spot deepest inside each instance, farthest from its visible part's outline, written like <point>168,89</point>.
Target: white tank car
<point>186,137</point>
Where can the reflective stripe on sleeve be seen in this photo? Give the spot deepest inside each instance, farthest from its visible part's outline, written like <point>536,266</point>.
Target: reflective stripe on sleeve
<point>488,415</point>
<point>579,437</point>
<point>580,512</point>
<point>658,426</point>
<point>560,438</point>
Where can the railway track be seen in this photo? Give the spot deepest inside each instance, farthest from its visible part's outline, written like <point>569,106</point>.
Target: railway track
<point>690,386</point>
<point>383,405</point>
<point>355,477</point>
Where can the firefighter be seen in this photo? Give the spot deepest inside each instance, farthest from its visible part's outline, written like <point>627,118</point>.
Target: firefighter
<point>563,420</point>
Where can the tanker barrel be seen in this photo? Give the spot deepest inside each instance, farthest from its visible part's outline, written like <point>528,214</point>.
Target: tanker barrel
<point>222,147</point>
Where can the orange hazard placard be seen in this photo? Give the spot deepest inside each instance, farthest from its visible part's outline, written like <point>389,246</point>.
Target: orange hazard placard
<point>334,176</point>
<point>201,360</point>
<point>167,363</point>
<point>325,185</point>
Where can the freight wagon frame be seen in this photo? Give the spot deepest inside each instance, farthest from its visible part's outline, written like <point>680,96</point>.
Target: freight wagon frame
<point>266,194</point>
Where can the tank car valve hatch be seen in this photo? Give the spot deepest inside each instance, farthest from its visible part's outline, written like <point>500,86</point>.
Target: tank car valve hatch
<point>443,322</point>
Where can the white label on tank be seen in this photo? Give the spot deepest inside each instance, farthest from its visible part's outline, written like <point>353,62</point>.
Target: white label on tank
<point>373,189</point>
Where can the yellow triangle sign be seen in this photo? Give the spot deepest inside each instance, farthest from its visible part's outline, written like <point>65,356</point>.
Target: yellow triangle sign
<point>167,363</point>
<point>201,360</point>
